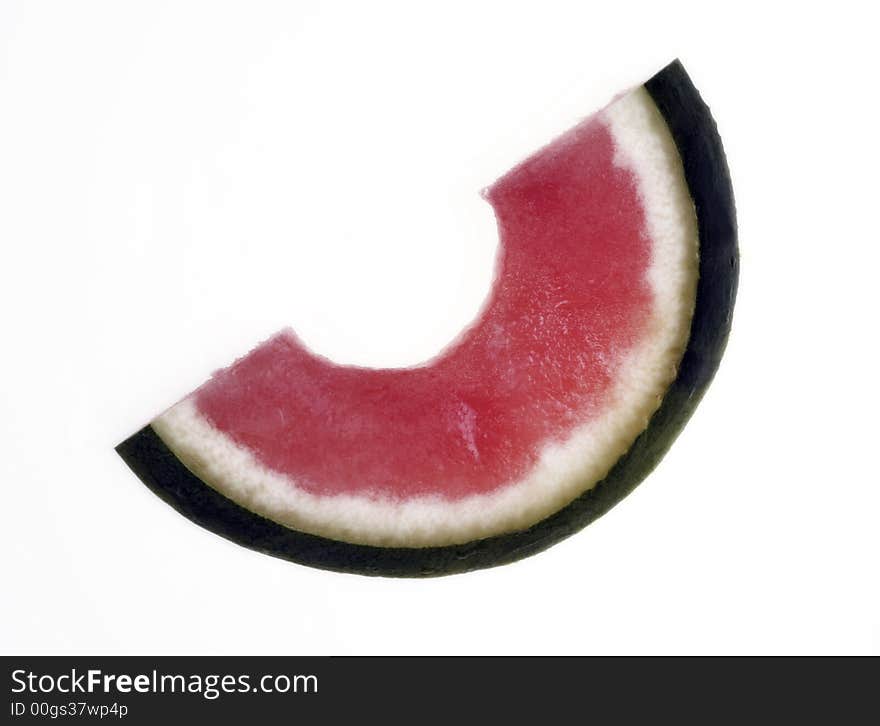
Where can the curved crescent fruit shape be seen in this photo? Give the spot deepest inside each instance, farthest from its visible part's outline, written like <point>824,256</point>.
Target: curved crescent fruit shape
<point>611,306</point>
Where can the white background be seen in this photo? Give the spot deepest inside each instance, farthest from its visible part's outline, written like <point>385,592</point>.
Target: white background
<point>179,180</point>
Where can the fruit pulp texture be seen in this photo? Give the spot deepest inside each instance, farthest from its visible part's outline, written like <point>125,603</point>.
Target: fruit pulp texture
<point>571,299</point>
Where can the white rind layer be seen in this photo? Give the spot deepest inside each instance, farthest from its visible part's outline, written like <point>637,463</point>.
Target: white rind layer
<point>564,471</point>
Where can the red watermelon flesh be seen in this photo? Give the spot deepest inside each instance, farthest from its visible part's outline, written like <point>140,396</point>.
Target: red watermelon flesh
<point>528,408</point>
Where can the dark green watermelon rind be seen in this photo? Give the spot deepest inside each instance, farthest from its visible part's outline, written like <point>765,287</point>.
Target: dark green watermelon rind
<point>708,178</point>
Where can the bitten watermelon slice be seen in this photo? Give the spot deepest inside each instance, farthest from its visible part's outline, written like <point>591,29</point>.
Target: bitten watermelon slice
<point>611,306</point>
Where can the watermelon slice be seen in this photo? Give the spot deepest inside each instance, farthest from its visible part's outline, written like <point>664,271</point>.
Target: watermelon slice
<point>611,306</point>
